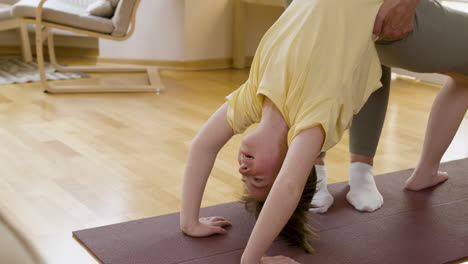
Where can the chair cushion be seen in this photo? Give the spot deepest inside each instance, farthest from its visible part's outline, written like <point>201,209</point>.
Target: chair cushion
<point>8,2</point>
<point>122,17</point>
<point>101,8</point>
<point>64,13</point>
<point>5,13</point>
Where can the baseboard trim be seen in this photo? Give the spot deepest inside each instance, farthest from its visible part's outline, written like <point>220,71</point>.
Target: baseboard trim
<point>210,64</point>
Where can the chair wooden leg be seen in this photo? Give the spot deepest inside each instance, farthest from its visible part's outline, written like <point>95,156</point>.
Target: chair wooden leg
<point>155,83</point>
<point>41,35</point>
<point>25,43</point>
<point>155,79</point>
<point>97,68</point>
<point>155,86</point>
<point>40,55</point>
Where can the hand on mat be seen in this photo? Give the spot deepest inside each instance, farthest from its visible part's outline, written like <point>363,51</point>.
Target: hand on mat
<point>278,260</point>
<point>208,226</point>
<point>395,19</point>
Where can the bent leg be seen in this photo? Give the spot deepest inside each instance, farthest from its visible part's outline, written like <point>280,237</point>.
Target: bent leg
<point>437,45</point>
<point>366,128</point>
<point>364,138</point>
<point>322,199</point>
<point>447,112</point>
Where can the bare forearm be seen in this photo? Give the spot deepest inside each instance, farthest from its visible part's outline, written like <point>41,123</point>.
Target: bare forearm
<point>197,170</point>
<point>278,209</point>
<point>285,193</point>
<point>202,155</point>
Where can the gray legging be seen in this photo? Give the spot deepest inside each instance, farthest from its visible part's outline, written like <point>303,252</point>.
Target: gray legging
<point>438,44</point>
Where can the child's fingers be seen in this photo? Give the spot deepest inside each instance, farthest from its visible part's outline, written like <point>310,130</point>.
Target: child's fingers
<point>221,223</point>
<point>219,230</point>
<point>278,260</point>
<point>212,218</point>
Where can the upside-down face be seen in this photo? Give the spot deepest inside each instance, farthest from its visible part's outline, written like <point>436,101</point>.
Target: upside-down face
<point>260,159</point>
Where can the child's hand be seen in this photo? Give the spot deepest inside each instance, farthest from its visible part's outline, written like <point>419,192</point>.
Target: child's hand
<point>278,260</point>
<point>208,226</point>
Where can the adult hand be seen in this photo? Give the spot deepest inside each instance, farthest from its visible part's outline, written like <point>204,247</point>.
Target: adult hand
<point>278,260</point>
<point>207,226</point>
<point>395,19</point>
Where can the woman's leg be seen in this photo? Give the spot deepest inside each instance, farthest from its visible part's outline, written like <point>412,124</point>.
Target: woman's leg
<point>364,138</point>
<point>367,124</point>
<point>447,112</point>
<point>322,199</point>
<point>437,44</point>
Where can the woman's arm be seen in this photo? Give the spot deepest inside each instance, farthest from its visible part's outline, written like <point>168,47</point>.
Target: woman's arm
<point>202,155</point>
<point>285,193</point>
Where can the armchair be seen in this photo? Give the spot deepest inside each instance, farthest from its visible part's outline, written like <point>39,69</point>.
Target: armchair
<point>56,14</point>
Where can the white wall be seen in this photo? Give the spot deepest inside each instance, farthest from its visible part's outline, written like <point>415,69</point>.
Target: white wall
<point>209,24</point>
<point>182,30</point>
<point>187,30</point>
<point>177,30</point>
<point>208,29</point>
<point>159,33</point>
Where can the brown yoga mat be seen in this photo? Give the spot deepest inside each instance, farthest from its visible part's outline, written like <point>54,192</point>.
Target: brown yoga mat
<point>427,227</point>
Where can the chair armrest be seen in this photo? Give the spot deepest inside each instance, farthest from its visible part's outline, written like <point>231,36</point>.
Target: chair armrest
<point>39,12</point>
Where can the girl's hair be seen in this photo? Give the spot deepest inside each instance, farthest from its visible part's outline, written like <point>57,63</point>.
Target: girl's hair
<point>296,232</point>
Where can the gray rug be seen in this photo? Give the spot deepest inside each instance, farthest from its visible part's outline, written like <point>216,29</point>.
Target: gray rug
<point>15,70</point>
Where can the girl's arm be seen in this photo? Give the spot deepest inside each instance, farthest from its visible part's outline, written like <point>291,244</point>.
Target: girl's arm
<point>285,193</point>
<point>202,155</point>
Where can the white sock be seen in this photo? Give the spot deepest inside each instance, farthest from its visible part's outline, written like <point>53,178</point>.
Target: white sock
<point>363,193</point>
<point>322,199</point>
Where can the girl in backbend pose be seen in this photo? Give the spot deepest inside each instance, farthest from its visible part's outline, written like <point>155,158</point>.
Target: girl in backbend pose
<point>313,70</point>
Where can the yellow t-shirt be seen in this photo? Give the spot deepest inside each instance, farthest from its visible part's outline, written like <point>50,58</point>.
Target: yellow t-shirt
<point>317,64</point>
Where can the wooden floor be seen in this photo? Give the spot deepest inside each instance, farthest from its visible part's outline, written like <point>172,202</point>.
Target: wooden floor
<point>70,162</point>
